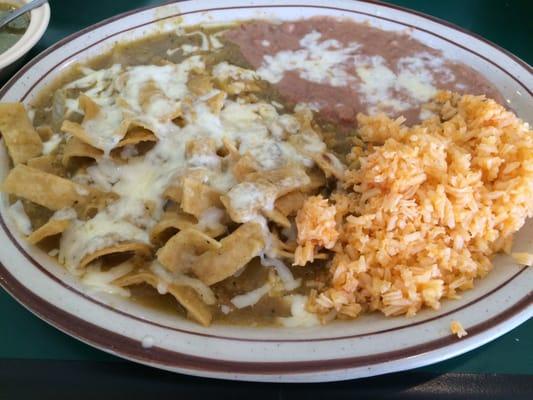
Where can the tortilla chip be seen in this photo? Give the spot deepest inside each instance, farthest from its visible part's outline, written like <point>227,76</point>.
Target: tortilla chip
<point>244,167</point>
<point>317,181</point>
<point>330,164</point>
<point>185,295</point>
<point>44,132</point>
<point>216,102</point>
<point>237,249</point>
<point>199,84</point>
<point>200,147</point>
<point>93,203</point>
<point>92,110</point>
<point>181,250</point>
<point>142,249</point>
<point>290,203</point>
<point>151,93</point>
<point>173,193</point>
<point>230,148</point>
<point>51,228</point>
<point>197,197</point>
<point>21,139</point>
<point>47,163</point>
<point>45,189</point>
<point>76,130</point>
<point>137,135</point>
<point>75,148</point>
<point>285,179</point>
<point>169,224</point>
<point>277,217</point>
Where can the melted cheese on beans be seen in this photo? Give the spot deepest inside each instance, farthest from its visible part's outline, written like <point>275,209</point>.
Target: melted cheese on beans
<point>329,62</point>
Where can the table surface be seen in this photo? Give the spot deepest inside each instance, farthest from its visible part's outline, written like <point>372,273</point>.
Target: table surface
<point>27,343</point>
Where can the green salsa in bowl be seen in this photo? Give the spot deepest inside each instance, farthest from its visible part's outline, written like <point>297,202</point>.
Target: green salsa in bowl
<point>21,34</point>
<point>12,32</point>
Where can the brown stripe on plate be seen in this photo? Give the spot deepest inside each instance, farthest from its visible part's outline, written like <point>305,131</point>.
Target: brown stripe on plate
<point>132,349</point>
<point>41,268</point>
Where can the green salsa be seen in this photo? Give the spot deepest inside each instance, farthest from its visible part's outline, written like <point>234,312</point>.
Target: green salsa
<point>12,32</point>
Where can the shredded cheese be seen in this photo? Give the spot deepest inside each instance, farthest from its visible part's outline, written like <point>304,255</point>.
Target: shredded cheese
<point>20,218</point>
<point>252,297</point>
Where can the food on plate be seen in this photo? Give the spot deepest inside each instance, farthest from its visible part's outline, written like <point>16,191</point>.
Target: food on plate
<point>271,173</point>
<point>12,32</point>
<point>457,329</point>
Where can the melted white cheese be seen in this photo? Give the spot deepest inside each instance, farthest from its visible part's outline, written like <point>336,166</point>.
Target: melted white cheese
<point>20,218</point>
<point>51,144</point>
<point>225,71</point>
<point>141,181</point>
<point>178,278</point>
<point>65,213</point>
<point>328,62</point>
<point>85,237</point>
<point>283,272</point>
<point>300,317</point>
<point>250,298</point>
<point>101,281</point>
<point>147,342</point>
<point>248,198</point>
<point>211,219</point>
<point>315,61</point>
<point>103,130</point>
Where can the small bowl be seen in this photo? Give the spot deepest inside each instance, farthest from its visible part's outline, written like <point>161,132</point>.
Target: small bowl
<point>39,19</point>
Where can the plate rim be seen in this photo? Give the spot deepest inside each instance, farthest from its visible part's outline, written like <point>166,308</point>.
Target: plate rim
<point>510,318</point>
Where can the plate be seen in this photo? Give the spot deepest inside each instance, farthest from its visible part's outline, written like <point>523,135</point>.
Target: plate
<point>370,345</point>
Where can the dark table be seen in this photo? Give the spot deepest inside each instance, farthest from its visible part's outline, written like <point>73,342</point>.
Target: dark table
<point>37,361</point>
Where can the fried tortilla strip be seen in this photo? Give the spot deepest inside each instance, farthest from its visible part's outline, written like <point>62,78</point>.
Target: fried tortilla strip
<point>277,217</point>
<point>141,249</point>
<point>182,249</point>
<point>290,203</point>
<point>236,251</point>
<point>283,249</point>
<point>330,164</point>
<point>137,135</point>
<point>170,223</point>
<point>244,167</point>
<point>231,150</point>
<point>285,179</point>
<point>45,189</point>
<point>185,295</point>
<point>77,131</point>
<point>48,163</point>
<point>255,194</point>
<point>75,148</point>
<point>51,228</point>
<point>216,102</point>
<point>197,197</point>
<point>44,132</point>
<point>199,84</point>
<point>173,193</point>
<point>93,113</point>
<point>22,141</point>
<point>96,201</point>
<point>317,181</point>
<point>202,151</point>
<point>151,97</point>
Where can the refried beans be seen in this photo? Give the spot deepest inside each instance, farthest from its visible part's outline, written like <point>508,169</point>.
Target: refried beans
<point>341,68</point>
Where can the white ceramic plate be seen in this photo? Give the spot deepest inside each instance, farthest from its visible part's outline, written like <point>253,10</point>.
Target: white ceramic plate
<point>368,346</point>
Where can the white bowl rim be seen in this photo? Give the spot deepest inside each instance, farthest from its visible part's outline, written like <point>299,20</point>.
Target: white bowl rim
<point>39,19</point>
